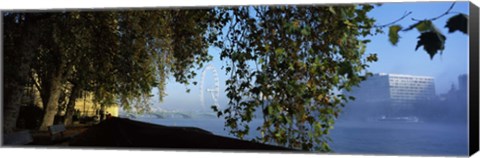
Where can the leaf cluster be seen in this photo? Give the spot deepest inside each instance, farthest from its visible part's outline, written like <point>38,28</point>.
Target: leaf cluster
<point>458,22</point>
<point>432,40</point>
<point>286,62</point>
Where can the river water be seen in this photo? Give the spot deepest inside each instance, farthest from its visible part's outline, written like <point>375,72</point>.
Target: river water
<point>368,138</point>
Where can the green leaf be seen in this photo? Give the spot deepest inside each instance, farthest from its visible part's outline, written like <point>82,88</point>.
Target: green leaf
<point>351,97</point>
<point>393,34</point>
<point>421,26</point>
<point>270,110</point>
<point>424,26</point>
<point>458,22</point>
<point>279,51</point>
<point>332,10</point>
<point>305,31</point>
<point>261,61</point>
<point>317,126</point>
<point>372,58</point>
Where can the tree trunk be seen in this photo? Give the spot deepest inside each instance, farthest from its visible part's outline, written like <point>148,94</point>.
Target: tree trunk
<point>102,112</point>
<point>71,105</point>
<point>51,108</point>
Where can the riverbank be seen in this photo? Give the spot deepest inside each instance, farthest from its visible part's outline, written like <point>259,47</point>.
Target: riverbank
<point>126,133</point>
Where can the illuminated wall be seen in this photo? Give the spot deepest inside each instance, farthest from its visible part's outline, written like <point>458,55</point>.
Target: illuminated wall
<point>88,108</point>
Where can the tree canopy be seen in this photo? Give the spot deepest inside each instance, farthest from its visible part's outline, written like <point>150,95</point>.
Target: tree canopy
<point>289,62</point>
<point>117,55</point>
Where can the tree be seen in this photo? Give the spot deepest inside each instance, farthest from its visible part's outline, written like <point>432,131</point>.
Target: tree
<point>19,44</point>
<point>113,54</point>
<point>289,61</point>
<point>303,55</point>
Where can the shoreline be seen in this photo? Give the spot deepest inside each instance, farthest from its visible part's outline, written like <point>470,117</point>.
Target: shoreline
<point>122,132</point>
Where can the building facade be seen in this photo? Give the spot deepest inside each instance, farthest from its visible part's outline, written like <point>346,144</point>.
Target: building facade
<point>87,107</point>
<point>394,92</point>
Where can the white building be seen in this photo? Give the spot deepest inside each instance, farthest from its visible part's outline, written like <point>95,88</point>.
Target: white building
<point>395,90</point>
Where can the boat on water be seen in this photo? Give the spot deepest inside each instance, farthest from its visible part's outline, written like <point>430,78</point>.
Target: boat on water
<point>412,119</point>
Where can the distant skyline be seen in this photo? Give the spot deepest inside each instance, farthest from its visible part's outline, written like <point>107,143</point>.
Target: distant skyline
<point>400,59</point>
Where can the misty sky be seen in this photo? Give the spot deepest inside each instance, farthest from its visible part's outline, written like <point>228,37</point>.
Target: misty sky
<point>400,59</point>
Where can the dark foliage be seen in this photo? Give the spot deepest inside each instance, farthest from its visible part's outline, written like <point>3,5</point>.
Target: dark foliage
<point>458,22</point>
<point>30,117</point>
<point>432,42</point>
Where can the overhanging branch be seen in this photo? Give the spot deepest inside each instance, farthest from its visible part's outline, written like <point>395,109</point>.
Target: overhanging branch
<point>440,16</point>
<point>393,22</point>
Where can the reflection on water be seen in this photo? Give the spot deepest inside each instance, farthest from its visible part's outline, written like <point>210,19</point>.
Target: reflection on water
<point>389,138</point>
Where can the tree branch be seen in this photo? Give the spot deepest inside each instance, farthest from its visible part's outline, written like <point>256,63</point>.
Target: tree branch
<point>35,82</point>
<point>440,16</point>
<point>391,23</point>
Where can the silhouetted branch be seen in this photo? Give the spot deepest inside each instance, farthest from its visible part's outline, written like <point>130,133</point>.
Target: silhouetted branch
<point>391,23</point>
<point>440,16</point>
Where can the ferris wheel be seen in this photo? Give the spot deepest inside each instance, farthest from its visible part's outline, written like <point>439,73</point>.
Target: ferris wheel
<point>214,91</point>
